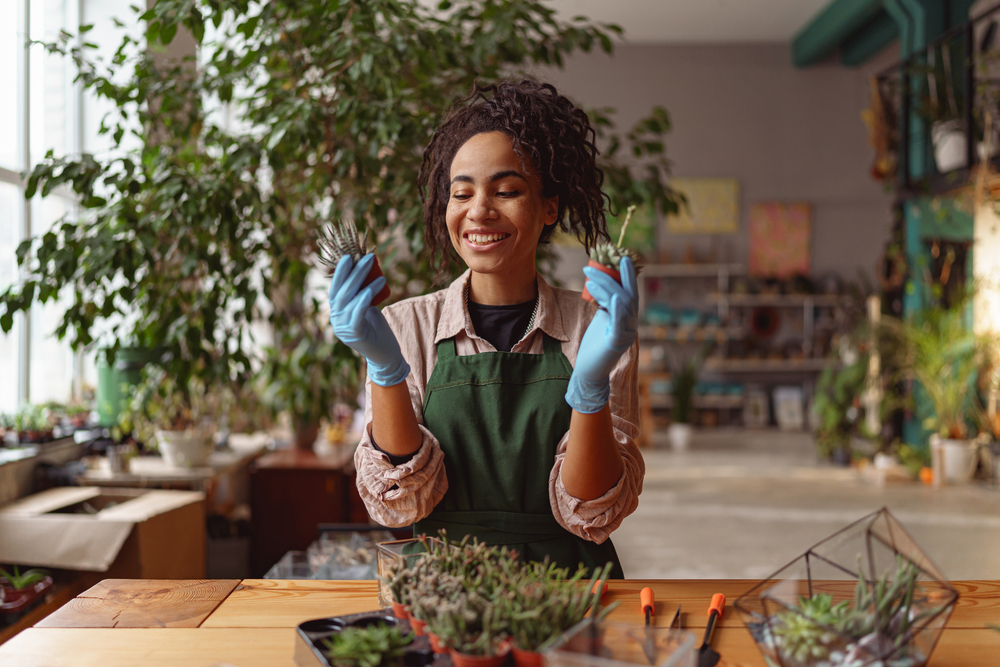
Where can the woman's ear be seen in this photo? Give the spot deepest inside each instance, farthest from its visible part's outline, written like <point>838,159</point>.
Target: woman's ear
<point>551,210</point>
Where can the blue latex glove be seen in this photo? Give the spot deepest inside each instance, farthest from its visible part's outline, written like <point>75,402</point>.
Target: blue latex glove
<point>360,325</point>
<point>613,330</point>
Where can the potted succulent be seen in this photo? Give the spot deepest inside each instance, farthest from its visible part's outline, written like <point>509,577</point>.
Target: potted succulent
<point>371,646</point>
<point>472,628</point>
<point>32,424</point>
<point>19,592</point>
<point>338,240</point>
<point>607,257</point>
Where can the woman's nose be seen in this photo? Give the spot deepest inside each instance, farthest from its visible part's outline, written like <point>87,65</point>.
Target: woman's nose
<point>480,209</point>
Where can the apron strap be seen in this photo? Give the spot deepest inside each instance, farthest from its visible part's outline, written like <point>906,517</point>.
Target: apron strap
<point>446,349</point>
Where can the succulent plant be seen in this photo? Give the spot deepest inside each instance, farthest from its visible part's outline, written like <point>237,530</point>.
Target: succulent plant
<point>370,646</point>
<point>339,239</point>
<point>19,581</point>
<point>610,255</point>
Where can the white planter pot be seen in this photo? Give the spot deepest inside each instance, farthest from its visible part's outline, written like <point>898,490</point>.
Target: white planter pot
<point>959,460</point>
<point>680,436</point>
<point>185,449</point>
<point>949,145</point>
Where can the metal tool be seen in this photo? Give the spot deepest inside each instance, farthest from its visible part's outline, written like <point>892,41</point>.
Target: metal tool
<point>647,601</point>
<point>676,619</point>
<point>706,656</point>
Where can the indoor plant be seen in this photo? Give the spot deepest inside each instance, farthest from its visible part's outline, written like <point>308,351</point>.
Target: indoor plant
<point>340,239</point>
<point>369,646</point>
<point>939,350</point>
<point>20,592</point>
<point>207,231</point>
<point>837,407</point>
<point>607,257</point>
<point>682,388</point>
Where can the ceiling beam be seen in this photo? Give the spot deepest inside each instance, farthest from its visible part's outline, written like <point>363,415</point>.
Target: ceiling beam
<point>838,21</point>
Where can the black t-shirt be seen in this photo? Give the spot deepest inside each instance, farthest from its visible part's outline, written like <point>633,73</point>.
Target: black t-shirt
<point>502,326</point>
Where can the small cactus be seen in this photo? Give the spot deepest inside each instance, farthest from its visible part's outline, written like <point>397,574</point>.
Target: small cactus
<point>610,255</point>
<point>341,239</point>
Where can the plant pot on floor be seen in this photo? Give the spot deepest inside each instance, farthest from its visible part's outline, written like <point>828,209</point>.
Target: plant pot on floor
<point>679,435</point>
<point>185,449</point>
<point>959,460</point>
<point>949,145</point>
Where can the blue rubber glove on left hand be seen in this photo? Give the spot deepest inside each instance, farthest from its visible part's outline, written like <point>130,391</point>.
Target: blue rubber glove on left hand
<point>360,325</point>
<point>613,330</point>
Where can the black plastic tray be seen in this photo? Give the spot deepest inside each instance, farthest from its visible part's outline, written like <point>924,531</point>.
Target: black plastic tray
<point>311,635</point>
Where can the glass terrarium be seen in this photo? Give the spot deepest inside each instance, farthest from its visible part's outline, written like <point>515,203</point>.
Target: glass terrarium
<point>397,551</point>
<point>620,644</point>
<point>867,595</point>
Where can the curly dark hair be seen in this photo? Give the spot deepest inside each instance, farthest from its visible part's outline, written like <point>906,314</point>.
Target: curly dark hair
<point>552,137</point>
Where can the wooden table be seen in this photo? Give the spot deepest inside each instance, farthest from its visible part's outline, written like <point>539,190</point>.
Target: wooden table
<point>220,623</point>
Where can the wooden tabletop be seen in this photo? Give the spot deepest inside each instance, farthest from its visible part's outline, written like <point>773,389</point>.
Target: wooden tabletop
<point>224,623</point>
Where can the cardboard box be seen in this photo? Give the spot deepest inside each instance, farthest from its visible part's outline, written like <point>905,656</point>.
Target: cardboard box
<point>118,533</point>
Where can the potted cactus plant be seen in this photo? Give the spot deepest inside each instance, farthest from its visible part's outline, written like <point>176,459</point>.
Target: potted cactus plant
<point>607,257</point>
<point>341,239</point>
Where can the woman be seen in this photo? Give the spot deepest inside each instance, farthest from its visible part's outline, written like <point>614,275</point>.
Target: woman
<point>501,407</point>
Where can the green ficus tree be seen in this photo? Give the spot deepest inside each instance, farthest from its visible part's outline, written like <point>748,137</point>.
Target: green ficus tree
<point>205,229</point>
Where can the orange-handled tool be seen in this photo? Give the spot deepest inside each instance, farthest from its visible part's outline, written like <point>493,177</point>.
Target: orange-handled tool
<point>604,588</point>
<point>646,600</point>
<point>706,656</point>
<point>648,605</point>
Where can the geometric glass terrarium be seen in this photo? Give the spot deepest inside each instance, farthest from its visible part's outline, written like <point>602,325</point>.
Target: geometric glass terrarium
<point>866,595</point>
<point>399,552</point>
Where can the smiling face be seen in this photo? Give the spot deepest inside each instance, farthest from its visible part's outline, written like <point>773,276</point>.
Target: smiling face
<point>496,211</point>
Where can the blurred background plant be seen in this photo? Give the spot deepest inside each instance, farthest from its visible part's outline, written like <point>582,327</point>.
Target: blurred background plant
<point>209,227</point>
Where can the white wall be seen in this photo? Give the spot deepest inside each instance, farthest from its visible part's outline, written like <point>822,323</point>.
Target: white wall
<point>742,111</point>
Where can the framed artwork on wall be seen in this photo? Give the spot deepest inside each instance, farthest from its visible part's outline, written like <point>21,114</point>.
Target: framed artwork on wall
<point>779,239</point>
<point>713,206</point>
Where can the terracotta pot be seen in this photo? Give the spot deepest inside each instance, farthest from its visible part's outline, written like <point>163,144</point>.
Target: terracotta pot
<point>400,611</point>
<point>374,273</point>
<point>436,644</point>
<point>418,626</point>
<point>524,658</point>
<point>464,660</point>
<point>600,267</point>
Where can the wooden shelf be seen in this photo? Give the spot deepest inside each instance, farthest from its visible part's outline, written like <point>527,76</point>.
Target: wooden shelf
<point>684,334</point>
<point>692,270</point>
<point>766,365</point>
<point>702,401</point>
<point>780,300</point>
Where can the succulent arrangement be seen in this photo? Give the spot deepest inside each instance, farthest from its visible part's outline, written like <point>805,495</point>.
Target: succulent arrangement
<point>817,631</point>
<point>610,255</point>
<point>32,423</point>
<point>477,599</point>
<point>340,239</point>
<point>343,238</point>
<point>368,646</point>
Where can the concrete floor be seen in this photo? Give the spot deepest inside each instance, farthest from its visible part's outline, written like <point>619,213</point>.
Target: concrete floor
<point>741,504</point>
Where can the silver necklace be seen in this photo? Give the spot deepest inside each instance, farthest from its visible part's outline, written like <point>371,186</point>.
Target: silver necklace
<point>534,311</point>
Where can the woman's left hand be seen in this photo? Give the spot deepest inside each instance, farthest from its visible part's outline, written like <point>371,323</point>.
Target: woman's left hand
<point>613,330</point>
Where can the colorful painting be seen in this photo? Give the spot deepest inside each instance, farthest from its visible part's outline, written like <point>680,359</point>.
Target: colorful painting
<point>713,206</point>
<point>779,239</point>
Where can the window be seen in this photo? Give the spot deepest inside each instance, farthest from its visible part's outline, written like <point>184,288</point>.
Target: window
<point>44,115</point>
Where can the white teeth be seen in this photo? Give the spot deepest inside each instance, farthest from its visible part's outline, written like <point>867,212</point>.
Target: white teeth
<point>486,238</point>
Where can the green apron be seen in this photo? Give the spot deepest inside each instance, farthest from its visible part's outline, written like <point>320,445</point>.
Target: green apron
<point>499,417</point>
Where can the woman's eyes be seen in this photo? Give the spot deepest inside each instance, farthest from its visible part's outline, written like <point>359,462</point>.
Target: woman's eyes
<point>507,194</point>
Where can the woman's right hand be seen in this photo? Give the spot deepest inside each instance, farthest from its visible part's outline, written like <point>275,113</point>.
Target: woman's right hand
<point>360,325</point>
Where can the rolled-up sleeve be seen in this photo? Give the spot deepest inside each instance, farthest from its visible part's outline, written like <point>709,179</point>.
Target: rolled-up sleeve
<point>596,519</point>
<point>401,495</point>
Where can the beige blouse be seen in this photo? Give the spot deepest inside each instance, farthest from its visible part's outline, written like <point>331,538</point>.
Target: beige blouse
<point>402,495</point>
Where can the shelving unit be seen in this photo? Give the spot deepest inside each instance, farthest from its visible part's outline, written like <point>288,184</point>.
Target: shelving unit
<point>731,310</point>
